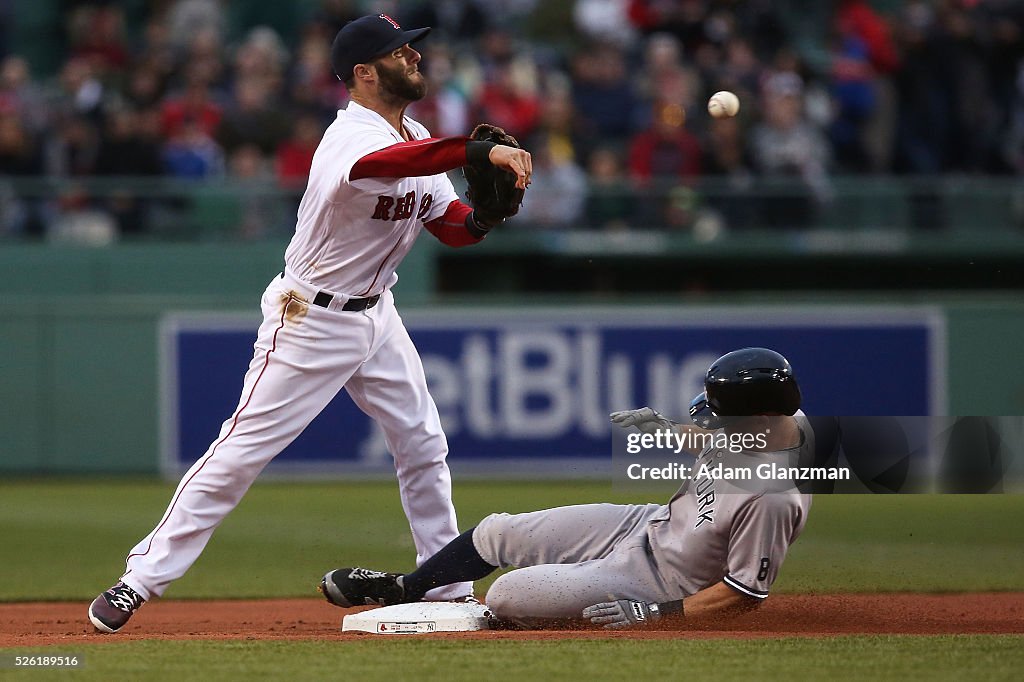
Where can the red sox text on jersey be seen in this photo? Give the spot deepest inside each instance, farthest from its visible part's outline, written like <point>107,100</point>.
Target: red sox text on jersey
<point>402,206</point>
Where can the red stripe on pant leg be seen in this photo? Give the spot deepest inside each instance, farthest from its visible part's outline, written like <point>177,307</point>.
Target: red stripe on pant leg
<point>266,362</point>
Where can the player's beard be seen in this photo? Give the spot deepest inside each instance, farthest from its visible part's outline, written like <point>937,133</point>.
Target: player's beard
<point>396,84</point>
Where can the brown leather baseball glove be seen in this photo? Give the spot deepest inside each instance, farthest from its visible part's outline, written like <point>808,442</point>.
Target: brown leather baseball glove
<point>492,191</point>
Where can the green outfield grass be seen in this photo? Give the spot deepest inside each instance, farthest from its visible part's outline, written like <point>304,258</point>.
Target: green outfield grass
<point>68,539</point>
<point>989,657</point>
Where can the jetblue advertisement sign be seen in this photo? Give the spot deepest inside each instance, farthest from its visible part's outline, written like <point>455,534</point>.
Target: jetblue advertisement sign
<point>529,391</point>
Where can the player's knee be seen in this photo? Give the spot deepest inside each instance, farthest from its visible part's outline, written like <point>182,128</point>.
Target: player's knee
<point>423,451</point>
<point>502,598</point>
<point>516,598</point>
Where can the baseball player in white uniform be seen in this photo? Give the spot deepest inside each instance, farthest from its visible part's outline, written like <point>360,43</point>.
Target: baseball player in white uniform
<point>714,549</point>
<point>329,319</point>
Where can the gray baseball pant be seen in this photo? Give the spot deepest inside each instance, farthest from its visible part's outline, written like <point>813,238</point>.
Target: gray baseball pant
<point>569,558</point>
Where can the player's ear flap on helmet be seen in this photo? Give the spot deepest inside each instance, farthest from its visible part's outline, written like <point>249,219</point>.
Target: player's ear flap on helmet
<point>701,413</point>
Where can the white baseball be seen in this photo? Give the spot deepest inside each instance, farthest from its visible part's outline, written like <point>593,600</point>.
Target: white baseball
<point>723,103</point>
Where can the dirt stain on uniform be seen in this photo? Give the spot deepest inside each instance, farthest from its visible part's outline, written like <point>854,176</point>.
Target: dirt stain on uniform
<point>295,306</point>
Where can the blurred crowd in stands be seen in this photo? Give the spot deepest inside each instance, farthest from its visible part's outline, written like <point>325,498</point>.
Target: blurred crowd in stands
<point>609,96</point>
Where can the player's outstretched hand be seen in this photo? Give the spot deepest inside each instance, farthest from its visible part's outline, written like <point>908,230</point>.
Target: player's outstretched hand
<point>513,160</point>
<point>623,613</point>
<point>645,418</point>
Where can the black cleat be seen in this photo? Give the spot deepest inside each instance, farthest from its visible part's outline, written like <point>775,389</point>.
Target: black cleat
<point>347,587</point>
<point>110,611</point>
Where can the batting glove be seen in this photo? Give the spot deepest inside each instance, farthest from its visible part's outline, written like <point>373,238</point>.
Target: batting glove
<point>644,418</point>
<point>623,613</point>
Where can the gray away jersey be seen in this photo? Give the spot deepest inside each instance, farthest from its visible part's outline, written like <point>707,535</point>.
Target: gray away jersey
<point>735,531</point>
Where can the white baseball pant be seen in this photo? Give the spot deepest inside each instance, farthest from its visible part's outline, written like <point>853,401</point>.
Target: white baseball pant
<point>304,355</point>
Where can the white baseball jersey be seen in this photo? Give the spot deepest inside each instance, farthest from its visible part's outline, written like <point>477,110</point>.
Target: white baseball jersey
<point>350,237</point>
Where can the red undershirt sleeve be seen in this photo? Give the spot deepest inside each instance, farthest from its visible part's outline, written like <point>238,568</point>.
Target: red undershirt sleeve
<point>416,158</point>
<point>451,228</point>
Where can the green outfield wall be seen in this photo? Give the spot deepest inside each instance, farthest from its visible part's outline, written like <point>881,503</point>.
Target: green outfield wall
<point>79,350</point>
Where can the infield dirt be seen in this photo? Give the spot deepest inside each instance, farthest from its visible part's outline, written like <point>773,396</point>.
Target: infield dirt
<point>65,623</point>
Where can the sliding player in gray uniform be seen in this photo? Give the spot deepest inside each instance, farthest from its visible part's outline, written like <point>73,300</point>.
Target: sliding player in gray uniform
<point>713,550</point>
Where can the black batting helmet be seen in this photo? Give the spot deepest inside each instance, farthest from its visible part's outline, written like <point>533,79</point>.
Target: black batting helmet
<point>746,382</point>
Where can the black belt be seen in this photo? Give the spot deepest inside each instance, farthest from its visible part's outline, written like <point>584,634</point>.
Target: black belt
<point>352,305</point>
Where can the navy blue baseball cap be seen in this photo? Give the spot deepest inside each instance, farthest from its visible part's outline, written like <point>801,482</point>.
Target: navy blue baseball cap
<point>366,38</point>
